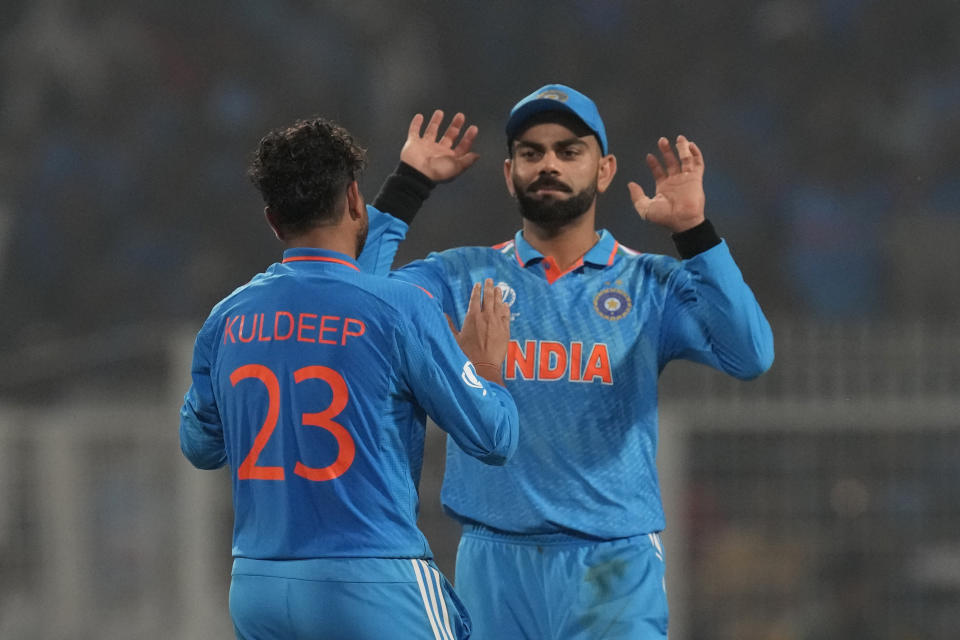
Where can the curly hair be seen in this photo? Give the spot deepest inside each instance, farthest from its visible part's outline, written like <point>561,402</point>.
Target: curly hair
<point>302,172</point>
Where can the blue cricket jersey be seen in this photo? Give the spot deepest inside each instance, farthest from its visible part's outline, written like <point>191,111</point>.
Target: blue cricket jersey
<point>313,382</point>
<point>587,347</point>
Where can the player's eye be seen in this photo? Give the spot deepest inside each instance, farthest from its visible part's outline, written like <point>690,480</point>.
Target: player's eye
<point>529,154</point>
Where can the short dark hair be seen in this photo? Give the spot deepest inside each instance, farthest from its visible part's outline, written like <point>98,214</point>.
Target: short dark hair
<point>302,172</point>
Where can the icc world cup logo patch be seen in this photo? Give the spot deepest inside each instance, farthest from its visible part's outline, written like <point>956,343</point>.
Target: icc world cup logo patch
<point>612,304</point>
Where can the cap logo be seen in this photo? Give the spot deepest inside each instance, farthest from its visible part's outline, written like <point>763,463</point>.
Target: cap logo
<point>553,94</point>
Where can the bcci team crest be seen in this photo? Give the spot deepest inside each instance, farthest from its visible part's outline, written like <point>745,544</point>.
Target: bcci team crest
<point>612,304</point>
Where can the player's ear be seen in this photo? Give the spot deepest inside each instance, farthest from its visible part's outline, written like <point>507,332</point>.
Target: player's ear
<point>605,172</point>
<point>507,164</point>
<point>273,222</point>
<point>355,204</point>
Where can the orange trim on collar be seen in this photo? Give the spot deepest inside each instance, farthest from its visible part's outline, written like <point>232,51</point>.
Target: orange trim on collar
<point>616,245</point>
<point>552,271</point>
<point>321,259</point>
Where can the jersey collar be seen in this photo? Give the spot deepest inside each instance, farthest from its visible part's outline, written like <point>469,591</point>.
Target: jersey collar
<point>602,254</point>
<point>319,256</point>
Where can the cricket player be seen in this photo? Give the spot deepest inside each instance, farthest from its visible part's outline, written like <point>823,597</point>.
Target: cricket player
<point>563,542</point>
<point>313,382</point>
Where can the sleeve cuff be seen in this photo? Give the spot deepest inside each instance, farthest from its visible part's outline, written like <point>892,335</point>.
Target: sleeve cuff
<point>695,240</point>
<point>403,193</point>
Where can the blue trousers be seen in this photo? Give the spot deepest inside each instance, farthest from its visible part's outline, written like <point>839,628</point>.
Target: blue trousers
<point>558,587</point>
<point>344,598</point>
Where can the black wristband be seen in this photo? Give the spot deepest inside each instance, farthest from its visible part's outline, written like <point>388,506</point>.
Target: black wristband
<point>404,192</point>
<point>696,239</point>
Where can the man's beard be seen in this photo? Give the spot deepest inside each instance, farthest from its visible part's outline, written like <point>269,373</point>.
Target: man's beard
<point>549,213</point>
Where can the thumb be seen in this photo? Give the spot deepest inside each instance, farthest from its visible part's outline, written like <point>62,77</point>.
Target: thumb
<point>637,193</point>
<point>467,159</point>
<point>640,200</point>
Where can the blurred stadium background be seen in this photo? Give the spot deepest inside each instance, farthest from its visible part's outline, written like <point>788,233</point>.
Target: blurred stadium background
<point>821,501</point>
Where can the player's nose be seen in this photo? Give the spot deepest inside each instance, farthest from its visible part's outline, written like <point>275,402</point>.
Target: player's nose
<point>549,163</point>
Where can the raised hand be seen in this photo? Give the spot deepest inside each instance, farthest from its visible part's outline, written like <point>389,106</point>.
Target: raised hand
<point>486,330</point>
<point>439,159</point>
<point>679,201</point>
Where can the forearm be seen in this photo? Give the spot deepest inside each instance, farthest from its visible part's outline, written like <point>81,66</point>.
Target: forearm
<point>719,321</point>
<point>202,444</point>
<point>696,240</point>
<point>403,193</point>
<point>397,203</point>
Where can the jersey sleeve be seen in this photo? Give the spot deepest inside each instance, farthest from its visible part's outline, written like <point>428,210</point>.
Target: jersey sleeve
<point>383,238</point>
<point>479,415</point>
<point>431,275</point>
<point>201,431</point>
<point>711,316</point>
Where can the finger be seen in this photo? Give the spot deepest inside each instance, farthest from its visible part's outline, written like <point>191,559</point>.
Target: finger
<point>696,155</point>
<point>466,142</point>
<point>488,296</point>
<point>640,200</point>
<point>669,158</point>
<point>453,129</point>
<point>685,155</point>
<point>433,126</point>
<point>502,308</point>
<point>498,304</point>
<point>415,124</point>
<point>467,160</point>
<point>655,167</point>
<point>636,192</point>
<point>473,307</point>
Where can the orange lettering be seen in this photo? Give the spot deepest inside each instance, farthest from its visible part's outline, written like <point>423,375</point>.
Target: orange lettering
<point>598,365</point>
<point>249,469</point>
<point>347,332</point>
<point>324,327</point>
<point>522,359</point>
<point>260,337</point>
<point>549,368</point>
<point>304,325</point>
<point>253,329</point>
<point>324,420</point>
<point>228,330</point>
<point>276,325</point>
<point>575,350</point>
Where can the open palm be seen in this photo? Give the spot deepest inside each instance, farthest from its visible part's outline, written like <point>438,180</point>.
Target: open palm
<point>679,201</point>
<point>439,159</point>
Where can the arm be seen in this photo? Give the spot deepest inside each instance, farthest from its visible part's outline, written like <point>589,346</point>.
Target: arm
<point>383,237</point>
<point>201,432</point>
<point>425,160</point>
<point>711,315</point>
<point>479,415</point>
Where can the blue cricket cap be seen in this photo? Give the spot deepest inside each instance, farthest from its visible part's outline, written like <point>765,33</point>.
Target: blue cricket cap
<point>557,97</point>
